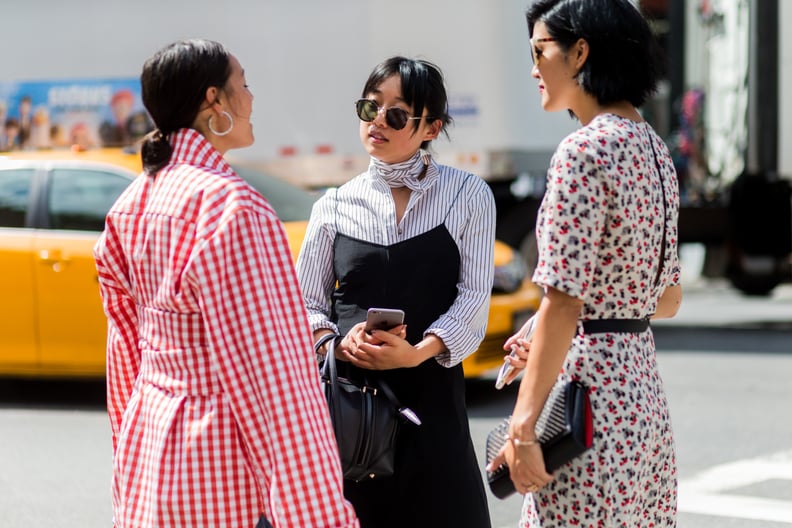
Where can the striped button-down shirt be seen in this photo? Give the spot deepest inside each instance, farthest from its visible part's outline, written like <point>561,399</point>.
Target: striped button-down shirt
<point>364,209</point>
<point>215,407</point>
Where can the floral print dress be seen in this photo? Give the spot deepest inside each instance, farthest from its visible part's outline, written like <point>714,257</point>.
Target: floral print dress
<point>599,235</point>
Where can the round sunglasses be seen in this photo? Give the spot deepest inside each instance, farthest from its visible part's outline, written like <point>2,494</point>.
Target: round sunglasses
<point>395,117</point>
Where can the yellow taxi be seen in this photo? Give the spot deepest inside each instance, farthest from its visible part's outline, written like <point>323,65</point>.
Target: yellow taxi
<point>52,209</point>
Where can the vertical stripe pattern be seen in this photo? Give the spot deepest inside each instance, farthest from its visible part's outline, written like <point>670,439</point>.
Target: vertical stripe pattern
<point>364,209</point>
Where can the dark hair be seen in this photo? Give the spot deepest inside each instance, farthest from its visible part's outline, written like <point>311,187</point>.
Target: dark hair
<point>422,87</point>
<point>623,61</point>
<point>173,85</point>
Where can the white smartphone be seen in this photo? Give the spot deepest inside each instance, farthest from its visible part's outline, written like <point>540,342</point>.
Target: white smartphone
<point>507,368</point>
<point>383,318</point>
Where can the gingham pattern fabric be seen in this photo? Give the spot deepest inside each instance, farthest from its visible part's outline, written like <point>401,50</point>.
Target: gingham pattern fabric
<point>213,393</point>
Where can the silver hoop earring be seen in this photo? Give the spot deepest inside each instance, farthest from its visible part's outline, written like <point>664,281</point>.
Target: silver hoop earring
<point>226,131</point>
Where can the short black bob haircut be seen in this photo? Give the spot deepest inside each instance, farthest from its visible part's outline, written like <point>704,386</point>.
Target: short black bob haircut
<point>623,59</point>
<point>422,86</point>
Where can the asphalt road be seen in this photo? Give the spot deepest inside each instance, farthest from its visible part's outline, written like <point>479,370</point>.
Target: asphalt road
<point>726,361</point>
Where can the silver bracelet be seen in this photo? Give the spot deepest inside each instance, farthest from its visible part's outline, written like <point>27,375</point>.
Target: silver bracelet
<point>522,443</point>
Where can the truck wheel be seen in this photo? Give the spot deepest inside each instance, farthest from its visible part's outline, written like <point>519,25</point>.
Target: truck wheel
<point>755,286</point>
<point>754,282</point>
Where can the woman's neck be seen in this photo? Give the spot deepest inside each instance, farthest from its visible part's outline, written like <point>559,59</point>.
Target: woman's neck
<point>623,109</point>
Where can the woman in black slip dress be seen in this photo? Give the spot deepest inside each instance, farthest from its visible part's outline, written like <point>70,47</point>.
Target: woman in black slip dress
<point>411,234</point>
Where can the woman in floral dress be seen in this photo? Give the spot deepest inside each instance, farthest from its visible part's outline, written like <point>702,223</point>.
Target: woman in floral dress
<point>607,240</point>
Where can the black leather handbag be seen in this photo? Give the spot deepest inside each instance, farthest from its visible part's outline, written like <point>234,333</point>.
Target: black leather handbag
<point>366,418</point>
<point>564,429</point>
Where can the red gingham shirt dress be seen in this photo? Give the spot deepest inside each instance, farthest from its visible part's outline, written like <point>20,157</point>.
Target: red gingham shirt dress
<point>213,392</point>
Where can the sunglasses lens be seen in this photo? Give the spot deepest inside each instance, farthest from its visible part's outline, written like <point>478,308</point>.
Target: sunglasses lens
<point>396,118</point>
<point>367,110</point>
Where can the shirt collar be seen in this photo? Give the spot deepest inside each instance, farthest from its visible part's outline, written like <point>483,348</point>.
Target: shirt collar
<point>191,147</point>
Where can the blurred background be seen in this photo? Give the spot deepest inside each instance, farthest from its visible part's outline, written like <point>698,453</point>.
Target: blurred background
<point>69,82</point>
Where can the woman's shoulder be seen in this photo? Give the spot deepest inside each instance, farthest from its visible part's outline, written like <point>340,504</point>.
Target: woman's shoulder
<point>352,189</point>
<point>471,188</point>
<point>224,185</point>
<point>612,127</point>
<point>596,137</point>
<point>455,177</point>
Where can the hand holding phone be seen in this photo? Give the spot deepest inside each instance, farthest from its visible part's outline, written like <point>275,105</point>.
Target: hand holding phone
<point>383,319</point>
<point>507,368</point>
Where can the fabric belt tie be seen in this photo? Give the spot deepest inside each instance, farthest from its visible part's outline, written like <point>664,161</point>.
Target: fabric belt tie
<point>601,326</point>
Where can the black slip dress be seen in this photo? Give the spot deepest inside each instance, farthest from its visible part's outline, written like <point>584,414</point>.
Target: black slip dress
<point>437,482</point>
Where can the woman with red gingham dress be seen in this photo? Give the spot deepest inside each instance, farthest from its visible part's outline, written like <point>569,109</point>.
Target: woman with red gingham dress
<point>213,393</point>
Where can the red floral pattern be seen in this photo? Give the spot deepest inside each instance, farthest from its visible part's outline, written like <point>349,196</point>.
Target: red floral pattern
<point>599,234</point>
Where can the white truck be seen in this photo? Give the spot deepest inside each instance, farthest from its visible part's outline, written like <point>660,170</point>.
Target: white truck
<point>737,62</point>
<point>306,63</point>
<point>307,60</point>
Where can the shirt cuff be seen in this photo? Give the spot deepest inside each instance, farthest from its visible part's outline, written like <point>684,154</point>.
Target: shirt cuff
<point>318,322</point>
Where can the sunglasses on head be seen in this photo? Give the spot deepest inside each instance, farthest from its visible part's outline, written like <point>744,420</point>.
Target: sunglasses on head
<point>395,117</point>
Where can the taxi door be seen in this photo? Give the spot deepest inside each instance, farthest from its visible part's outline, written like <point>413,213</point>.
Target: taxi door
<point>72,324</point>
<point>18,341</point>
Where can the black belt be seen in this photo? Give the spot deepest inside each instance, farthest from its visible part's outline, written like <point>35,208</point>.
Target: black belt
<point>601,326</point>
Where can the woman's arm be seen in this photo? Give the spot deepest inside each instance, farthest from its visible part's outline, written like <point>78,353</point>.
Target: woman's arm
<point>461,329</point>
<point>556,327</point>
<point>315,268</point>
<point>123,354</point>
<point>669,302</point>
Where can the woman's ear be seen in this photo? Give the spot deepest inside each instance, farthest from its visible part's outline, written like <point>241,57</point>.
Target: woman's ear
<point>212,96</point>
<point>580,53</point>
<point>434,130</point>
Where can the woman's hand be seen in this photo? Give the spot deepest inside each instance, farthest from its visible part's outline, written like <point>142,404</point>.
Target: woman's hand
<point>518,358</point>
<point>384,350</point>
<point>526,465</point>
<point>518,348</point>
<point>373,351</point>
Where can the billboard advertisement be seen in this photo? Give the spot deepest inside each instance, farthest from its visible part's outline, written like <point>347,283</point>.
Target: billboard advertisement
<point>82,113</point>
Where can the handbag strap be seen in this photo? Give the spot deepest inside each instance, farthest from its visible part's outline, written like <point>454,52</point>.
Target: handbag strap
<point>323,340</point>
<point>662,189</point>
<point>330,372</point>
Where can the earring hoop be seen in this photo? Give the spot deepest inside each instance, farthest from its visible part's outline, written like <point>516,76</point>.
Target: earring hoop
<point>226,131</point>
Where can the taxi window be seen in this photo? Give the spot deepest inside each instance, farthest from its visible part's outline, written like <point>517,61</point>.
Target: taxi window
<point>14,196</point>
<point>79,198</point>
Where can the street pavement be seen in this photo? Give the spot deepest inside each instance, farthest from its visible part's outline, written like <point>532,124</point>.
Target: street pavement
<point>749,490</point>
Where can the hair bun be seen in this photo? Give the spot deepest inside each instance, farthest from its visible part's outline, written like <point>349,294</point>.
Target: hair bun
<point>155,151</point>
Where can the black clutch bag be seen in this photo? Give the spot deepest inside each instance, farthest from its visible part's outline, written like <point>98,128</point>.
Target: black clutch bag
<point>564,429</point>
